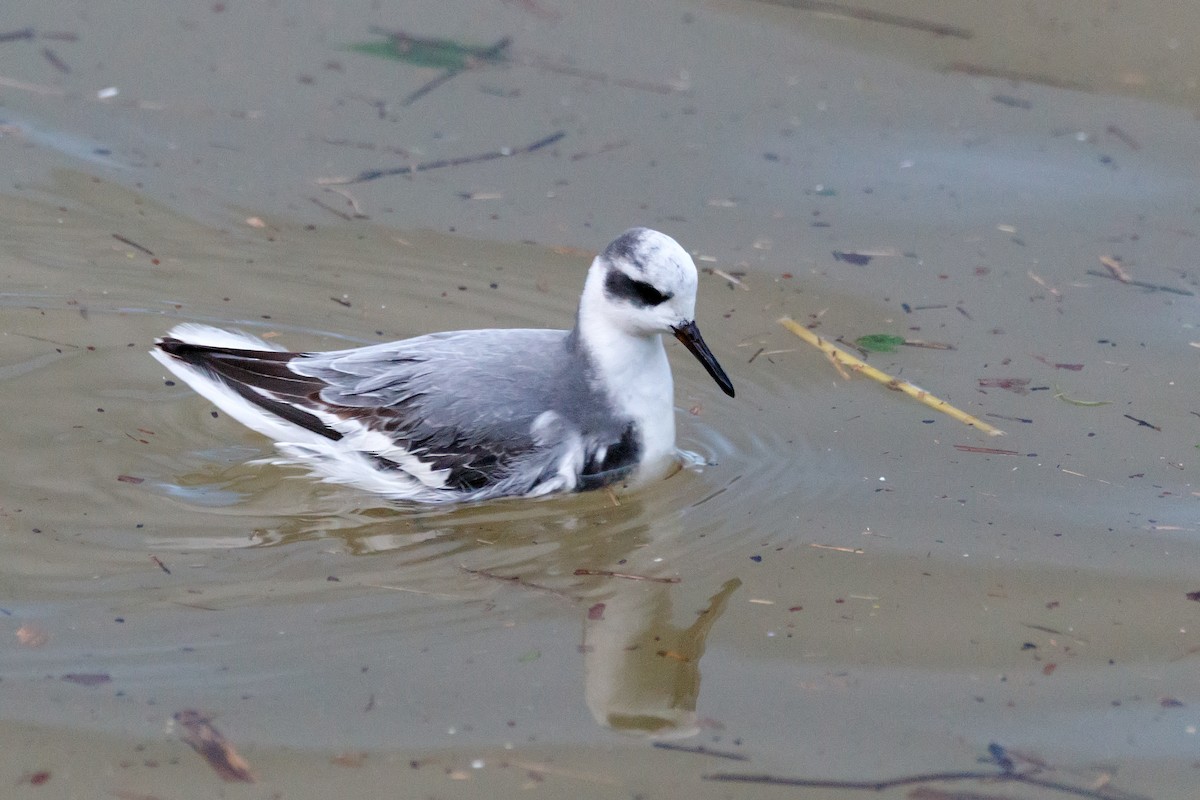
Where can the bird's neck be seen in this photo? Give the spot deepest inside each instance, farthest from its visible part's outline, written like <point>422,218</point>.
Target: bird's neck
<point>632,372</point>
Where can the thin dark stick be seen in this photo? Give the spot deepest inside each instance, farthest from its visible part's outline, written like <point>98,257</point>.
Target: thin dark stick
<point>929,777</point>
<point>132,244</point>
<point>375,174</point>
<point>338,211</point>
<point>1153,286</point>
<point>1143,422</point>
<point>487,54</point>
<point>13,36</point>
<point>55,61</point>
<point>430,86</point>
<point>852,12</point>
<point>701,750</point>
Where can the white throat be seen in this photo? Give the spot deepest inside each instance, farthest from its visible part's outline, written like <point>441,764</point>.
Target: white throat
<point>633,372</point>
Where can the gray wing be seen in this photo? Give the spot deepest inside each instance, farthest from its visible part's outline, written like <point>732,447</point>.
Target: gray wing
<point>467,401</point>
<point>491,412</point>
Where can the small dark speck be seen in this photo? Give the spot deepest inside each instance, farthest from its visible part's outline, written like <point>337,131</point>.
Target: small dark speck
<point>756,559</point>
<point>493,286</point>
<point>771,156</point>
<point>168,383</point>
<point>857,259</point>
<point>462,288</point>
<point>119,619</point>
<point>333,579</point>
<point>101,410</point>
<point>214,414</point>
<point>1012,102</point>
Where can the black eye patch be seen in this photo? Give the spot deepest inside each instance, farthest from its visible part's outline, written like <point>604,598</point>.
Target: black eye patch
<point>620,286</point>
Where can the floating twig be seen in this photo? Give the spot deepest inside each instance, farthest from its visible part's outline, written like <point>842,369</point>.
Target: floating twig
<point>838,355</point>
<point>844,11</point>
<point>206,740</point>
<point>133,244</point>
<point>928,345</point>
<point>160,564</point>
<point>409,169</point>
<point>14,36</point>
<point>1114,266</point>
<point>733,279</point>
<point>517,579</point>
<point>1025,420</point>
<point>491,53</point>
<point>993,451</point>
<point>1142,422</point>
<point>1015,76</point>
<point>701,750</point>
<point>605,573</point>
<point>343,214</point>
<point>1154,287</point>
<point>1003,775</point>
<point>550,65</point>
<point>1130,142</point>
<point>858,551</point>
<point>55,61</point>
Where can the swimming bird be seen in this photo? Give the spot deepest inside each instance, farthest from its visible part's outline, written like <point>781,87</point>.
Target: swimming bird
<point>478,414</point>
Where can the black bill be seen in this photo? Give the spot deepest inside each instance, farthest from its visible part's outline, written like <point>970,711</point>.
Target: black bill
<point>689,334</point>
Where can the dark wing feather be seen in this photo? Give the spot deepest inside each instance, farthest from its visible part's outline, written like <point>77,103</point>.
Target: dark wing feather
<point>260,376</point>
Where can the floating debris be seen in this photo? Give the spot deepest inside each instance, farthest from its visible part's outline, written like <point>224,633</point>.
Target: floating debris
<point>991,451</point>
<point>133,244</point>
<point>701,750</point>
<point>1113,265</point>
<point>206,740</point>
<point>857,259</point>
<point>841,357</point>
<point>604,573</point>
<point>1143,422</point>
<point>1065,398</point>
<point>879,342</point>
<point>1012,102</point>
<point>1014,385</point>
<point>1154,287</point>
<point>88,678</point>
<point>504,152</point>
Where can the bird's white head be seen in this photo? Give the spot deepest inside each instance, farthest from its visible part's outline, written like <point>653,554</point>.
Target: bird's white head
<point>643,285</point>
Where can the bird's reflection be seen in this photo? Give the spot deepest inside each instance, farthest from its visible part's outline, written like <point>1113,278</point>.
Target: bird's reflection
<point>622,566</point>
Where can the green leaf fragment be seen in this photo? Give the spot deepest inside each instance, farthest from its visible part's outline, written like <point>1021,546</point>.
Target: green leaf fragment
<point>1061,395</point>
<point>879,342</point>
<point>437,53</point>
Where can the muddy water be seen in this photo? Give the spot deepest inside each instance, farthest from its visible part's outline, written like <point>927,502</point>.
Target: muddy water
<point>853,587</point>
